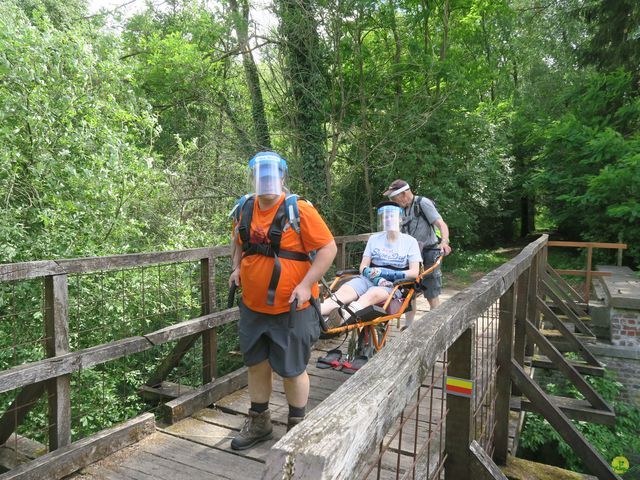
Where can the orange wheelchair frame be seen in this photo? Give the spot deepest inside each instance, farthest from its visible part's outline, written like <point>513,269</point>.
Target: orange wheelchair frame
<point>378,337</point>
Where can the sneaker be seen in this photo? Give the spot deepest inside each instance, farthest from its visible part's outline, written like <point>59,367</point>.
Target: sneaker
<point>293,421</point>
<point>257,428</point>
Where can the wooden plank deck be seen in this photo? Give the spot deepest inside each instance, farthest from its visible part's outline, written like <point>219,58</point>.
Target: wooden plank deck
<point>199,447</point>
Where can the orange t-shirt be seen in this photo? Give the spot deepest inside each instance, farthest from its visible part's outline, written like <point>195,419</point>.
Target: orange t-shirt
<point>256,270</point>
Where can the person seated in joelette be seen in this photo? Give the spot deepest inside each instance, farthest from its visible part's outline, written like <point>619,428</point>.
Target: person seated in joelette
<point>389,255</point>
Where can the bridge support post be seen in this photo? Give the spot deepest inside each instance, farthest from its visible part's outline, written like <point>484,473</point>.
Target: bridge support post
<point>341,257</point>
<point>459,419</point>
<point>209,337</point>
<point>522,310</point>
<point>56,326</point>
<point>503,376</point>
<point>537,266</point>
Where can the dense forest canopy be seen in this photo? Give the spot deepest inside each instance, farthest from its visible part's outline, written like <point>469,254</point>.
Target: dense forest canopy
<point>132,133</point>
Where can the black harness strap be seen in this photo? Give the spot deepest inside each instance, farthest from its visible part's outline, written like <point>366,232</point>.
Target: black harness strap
<point>271,249</point>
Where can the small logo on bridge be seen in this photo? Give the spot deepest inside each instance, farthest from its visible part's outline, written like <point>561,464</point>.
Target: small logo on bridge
<point>620,464</point>
<point>462,387</point>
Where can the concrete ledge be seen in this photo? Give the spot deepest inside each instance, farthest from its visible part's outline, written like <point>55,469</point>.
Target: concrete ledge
<point>622,288</point>
<point>615,351</point>
<point>521,469</point>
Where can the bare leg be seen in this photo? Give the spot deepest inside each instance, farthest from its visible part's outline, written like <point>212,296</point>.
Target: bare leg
<point>372,296</point>
<point>434,302</point>
<point>296,389</point>
<point>409,316</point>
<point>260,382</point>
<point>345,294</point>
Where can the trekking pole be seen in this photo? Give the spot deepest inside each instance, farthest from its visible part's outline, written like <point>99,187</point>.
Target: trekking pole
<point>292,311</point>
<point>232,295</point>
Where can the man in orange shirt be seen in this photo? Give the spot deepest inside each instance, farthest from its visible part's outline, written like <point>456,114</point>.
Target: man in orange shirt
<point>271,261</point>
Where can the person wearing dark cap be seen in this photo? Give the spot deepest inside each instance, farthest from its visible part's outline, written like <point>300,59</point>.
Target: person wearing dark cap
<point>421,219</point>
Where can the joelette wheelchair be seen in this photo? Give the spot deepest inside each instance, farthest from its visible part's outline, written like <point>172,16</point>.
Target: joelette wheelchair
<point>371,325</point>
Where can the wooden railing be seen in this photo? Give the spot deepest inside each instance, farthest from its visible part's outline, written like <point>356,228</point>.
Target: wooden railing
<point>588,273</point>
<point>476,339</point>
<point>129,297</point>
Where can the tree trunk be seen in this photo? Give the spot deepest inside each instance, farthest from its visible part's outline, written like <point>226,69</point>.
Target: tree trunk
<point>487,51</point>
<point>427,41</point>
<point>260,125</point>
<point>363,149</point>
<point>527,215</point>
<point>445,39</point>
<point>397,58</point>
<point>308,90</point>
<point>338,105</point>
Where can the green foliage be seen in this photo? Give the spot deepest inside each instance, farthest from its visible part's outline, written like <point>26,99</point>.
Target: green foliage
<point>136,138</point>
<point>484,260</point>
<point>623,439</point>
<point>72,163</point>
<point>590,162</point>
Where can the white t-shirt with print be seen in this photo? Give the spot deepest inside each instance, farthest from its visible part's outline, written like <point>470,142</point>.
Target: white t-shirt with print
<point>397,254</point>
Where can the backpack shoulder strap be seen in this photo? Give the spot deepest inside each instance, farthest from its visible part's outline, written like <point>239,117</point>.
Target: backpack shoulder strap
<point>246,209</point>
<point>293,212</point>
<point>237,208</point>
<point>418,211</point>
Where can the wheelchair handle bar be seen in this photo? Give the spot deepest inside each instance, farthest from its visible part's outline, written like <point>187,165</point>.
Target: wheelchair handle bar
<point>430,269</point>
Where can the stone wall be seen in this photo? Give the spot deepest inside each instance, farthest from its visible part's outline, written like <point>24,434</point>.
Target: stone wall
<point>621,305</point>
<point>621,296</point>
<point>624,363</point>
<point>625,327</point>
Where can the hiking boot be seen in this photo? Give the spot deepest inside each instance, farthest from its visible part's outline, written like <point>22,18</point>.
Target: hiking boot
<point>257,428</point>
<point>293,421</point>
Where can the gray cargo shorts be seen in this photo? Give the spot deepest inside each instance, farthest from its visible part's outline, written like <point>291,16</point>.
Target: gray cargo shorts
<point>432,283</point>
<point>264,336</point>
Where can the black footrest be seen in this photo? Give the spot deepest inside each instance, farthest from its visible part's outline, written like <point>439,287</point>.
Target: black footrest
<point>370,313</point>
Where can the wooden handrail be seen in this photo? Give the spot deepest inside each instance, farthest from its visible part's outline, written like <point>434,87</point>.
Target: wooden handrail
<point>588,273</point>
<point>338,435</point>
<point>559,243</point>
<point>54,372</point>
<point>582,273</point>
<point>43,268</point>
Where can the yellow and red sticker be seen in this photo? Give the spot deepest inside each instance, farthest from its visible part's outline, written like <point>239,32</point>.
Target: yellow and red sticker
<point>461,387</point>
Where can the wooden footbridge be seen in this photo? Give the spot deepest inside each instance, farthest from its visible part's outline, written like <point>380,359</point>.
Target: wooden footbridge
<point>109,369</point>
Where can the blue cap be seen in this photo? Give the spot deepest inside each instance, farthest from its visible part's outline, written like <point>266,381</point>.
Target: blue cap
<point>269,155</point>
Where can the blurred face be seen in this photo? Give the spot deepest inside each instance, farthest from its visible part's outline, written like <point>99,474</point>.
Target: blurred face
<point>389,219</point>
<point>403,198</point>
<point>267,178</point>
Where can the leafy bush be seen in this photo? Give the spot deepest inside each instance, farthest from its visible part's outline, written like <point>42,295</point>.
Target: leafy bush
<point>589,160</point>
